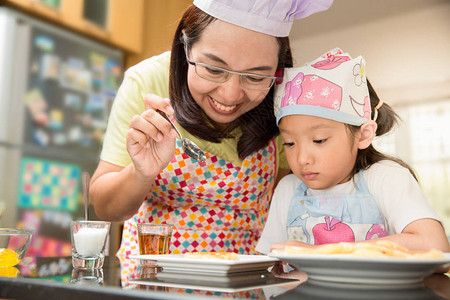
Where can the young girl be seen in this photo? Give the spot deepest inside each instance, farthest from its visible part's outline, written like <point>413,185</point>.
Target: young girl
<point>342,189</point>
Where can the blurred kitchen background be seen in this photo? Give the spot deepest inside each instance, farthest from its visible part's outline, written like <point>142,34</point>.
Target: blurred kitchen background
<point>61,62</point>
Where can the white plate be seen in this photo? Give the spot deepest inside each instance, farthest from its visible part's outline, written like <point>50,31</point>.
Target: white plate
<point>185,282</point>
<point>320,290</point>
<point>233,278</point>
<point>177,262</point>
<point>363,270</point>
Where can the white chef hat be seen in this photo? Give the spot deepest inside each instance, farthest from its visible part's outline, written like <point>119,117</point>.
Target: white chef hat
<point>274,17</point>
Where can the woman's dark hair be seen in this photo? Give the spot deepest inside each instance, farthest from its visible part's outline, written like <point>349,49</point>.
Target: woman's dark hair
<point>387,118</point>
<point>258,125</point>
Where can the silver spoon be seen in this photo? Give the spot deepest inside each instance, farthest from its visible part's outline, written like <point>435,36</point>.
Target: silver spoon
<point>86,178</point>
<point>189,147</point>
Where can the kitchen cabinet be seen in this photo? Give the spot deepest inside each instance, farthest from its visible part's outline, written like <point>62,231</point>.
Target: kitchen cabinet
<point>160,22</point>
<point>122,26</point>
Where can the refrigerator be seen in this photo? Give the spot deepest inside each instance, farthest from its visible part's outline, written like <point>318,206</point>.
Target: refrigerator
<point>56,92</point>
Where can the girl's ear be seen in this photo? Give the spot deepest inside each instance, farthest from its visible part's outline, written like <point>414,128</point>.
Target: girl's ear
<point>367,134</point>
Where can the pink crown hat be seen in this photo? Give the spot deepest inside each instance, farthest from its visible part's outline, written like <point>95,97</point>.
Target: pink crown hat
<point>333,86</point>
<point>273,17</point>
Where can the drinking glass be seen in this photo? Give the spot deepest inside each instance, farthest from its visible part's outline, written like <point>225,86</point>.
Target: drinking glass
<point>154,239</point>
<point>88,243</point>
<point>87,276</point>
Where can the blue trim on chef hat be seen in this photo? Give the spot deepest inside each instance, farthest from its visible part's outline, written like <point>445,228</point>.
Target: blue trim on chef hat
<point>323,112</point>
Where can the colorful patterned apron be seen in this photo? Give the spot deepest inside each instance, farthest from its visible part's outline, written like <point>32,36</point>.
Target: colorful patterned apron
<point>327,219</point>
<point>215,205</point>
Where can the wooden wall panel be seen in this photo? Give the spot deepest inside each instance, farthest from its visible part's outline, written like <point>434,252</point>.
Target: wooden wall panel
<point>160,20</point>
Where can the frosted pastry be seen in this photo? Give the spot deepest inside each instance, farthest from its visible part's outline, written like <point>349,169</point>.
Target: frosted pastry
<point>366,249</point>
<point>212,255</point>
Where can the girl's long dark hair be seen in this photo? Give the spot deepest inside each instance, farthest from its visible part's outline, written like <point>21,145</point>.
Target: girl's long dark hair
<point>386,120</point>
<point>258,126</point>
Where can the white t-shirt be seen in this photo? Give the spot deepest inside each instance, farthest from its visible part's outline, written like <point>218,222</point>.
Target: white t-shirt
<point>397,193</point>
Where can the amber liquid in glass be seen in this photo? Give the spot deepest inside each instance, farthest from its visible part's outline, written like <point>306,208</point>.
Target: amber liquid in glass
<point>154,244</point>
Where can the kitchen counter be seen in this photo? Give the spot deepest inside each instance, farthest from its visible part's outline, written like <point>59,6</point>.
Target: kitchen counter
<point>54,278</point>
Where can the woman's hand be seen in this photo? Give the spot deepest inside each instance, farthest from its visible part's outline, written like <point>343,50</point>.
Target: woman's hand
<point>280,268</point>
<point>151,138</point>
<point>284,270</point>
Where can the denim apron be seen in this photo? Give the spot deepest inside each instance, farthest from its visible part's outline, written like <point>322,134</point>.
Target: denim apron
<point>325,219</point>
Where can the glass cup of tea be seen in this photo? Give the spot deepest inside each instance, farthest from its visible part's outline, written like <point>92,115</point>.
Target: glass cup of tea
<point>88,243</point>
<point>154,238</point>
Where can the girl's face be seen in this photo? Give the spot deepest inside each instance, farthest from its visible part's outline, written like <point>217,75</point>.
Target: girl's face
<point>236,49</point>
<point>321,152</point>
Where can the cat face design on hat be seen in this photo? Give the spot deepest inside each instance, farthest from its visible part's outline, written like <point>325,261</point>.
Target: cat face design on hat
<point>333,86</point>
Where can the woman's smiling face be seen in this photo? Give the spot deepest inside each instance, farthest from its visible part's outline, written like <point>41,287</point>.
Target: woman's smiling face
<point>236,49</point>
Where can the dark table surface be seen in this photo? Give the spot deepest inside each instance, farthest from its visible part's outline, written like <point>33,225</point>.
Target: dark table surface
<point>54,278</point>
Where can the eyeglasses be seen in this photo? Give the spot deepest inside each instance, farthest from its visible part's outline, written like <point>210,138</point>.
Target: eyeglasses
<point>216,74</point>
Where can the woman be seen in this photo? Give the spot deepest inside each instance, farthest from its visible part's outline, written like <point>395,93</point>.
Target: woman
<point>222,71</point>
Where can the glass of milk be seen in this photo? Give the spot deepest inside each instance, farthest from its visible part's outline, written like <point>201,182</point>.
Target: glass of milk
<point>88,243</point>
